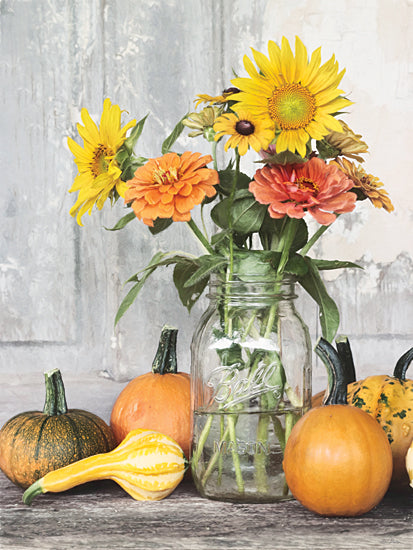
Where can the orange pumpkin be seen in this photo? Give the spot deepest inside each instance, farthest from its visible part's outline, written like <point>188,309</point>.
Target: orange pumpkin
<point>388,399</point>
<point>158,400</point>
<point>337,461</point>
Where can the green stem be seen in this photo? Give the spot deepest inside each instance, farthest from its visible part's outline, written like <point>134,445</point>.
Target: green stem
<point>200,236</point>
<point>55,402</point>
<point>201,443</point>
<point>213,460</point>
<point>33,491</point>
<point>320,231</point>
<point>235,457</point>
<point>260,457</point>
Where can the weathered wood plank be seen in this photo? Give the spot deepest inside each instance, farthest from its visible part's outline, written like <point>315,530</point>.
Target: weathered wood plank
<point>101,515</point>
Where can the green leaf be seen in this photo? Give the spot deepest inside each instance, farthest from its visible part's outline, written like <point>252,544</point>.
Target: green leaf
<point>247,214</point>
<point>122,222</point>
<point>286,157</point>
<point>160,224</point>
<point>296,265</point>
<point>133,137</point>
<point>188,294</point>
<point>158,260</point>
<point>134,291</point>
<point>329,315</point>
<point>260,263</point>
<point>334,264</point>
<point>170,140</point>
<point>326,151</point>
<point>301,236</point>
<point>207,264</point>
<point>226,179</point>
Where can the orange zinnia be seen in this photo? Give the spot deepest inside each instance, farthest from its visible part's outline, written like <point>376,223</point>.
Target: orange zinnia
<point>170,186</point>
<point>314,187</point>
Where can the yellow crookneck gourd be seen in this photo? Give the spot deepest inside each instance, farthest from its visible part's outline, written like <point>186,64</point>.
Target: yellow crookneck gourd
<point>147,465</point>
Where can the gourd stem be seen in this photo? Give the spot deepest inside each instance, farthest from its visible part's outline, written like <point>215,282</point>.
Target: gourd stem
<point>33,491</point>
<point>402,365</point>
<point>55,401</point>
<point>165,358</point>
<point>332,361</point>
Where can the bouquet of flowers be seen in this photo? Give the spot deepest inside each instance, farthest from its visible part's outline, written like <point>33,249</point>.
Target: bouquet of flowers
<point>288,110</point>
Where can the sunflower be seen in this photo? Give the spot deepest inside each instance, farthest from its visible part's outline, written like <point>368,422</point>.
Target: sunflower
<point>299,97</point>
<point>245,130</point>
<point>365,185</point>
<point>217,99</point>
<point>170,186</point>
<point>314,187</point>
<point>202,122</point>
<point>99,174</point>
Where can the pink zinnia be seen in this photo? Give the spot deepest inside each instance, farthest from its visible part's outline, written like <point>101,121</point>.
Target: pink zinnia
<point>314,187</point>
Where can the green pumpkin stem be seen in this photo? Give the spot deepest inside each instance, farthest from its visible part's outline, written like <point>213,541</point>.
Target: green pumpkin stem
<point>346,356</point>
<point>165,359</point>
<point>55,402</point>
<point>402,365</point>
<point>337,391</point>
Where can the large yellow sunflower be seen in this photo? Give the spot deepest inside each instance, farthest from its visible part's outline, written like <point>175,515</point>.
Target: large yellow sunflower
<point>99,174</point>
<point>298,96</point>
<point>244,131</point>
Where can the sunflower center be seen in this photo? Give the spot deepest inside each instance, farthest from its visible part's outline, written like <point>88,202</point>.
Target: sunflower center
<point>291,106</point>
<point>244,127</point>
<point>165,177</point>
<point>99,164</point>
<point>306,184</point>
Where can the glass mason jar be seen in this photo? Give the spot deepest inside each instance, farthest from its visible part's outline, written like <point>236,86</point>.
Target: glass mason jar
<point>251,381</point>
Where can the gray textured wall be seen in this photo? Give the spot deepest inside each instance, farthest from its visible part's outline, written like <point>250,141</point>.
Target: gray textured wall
<point>60,285</point>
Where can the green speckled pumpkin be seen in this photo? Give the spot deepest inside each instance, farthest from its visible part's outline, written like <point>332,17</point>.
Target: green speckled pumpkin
<point>390,400</point>
<point>34,443</point>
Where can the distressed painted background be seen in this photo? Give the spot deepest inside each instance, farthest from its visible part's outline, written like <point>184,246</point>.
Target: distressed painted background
<point>60,285</point>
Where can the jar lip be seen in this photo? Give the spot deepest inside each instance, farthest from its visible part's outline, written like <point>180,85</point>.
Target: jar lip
<point>220,278</point>
<point>266,287</point>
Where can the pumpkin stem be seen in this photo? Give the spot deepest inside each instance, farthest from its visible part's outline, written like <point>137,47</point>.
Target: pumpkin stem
<point>165,359</point>
<point>55,402</point>
<point>336,373</point>
<point>344,351</point>
<point>402,365</point>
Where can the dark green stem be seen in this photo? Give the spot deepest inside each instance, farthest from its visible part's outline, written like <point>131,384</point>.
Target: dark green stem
<point>55,402</point>
<point>402,365</point>
<point>165,358</point>
<point>336,370</point>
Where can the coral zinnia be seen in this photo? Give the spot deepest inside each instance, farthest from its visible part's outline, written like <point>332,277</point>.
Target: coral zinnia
<point>99,174</point>
<point>298,96</point>
<point>170,186</point>
<point>314,187</point>
<point>244,130</point>
<point>365,185</point>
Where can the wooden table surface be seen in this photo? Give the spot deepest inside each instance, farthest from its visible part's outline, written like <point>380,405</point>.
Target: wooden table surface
<point>102,516</point>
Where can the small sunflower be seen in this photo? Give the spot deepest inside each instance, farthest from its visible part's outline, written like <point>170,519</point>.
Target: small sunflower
<point>244,131</point>
<point>99,174</point>
<point>202,122</point>
<point>347,143</point>
<point>218,99</point>
<point>365,185</point>
<point>298,97</point>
